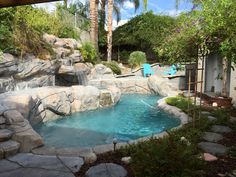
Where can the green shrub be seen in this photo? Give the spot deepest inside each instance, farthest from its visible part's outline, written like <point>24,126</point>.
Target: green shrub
<point>179,102</point>
<point>68,32</point>
<point>167,157</point>
<point>6,39</point>
<point>137,58</point>
<point>124,55</point>
<point>88,52</point>
<point>113,66</point>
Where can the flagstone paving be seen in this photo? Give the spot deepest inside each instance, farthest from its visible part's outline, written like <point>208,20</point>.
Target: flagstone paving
<point>28,165</point>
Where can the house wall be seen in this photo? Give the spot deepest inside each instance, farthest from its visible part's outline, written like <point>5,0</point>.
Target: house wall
<point>233,84</point>
<point>213,72</point>
<point>212,68</point>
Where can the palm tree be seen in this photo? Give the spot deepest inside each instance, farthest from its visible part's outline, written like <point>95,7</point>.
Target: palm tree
<point>94,22</point>
<point>111,6</point>
<point>109,29</point>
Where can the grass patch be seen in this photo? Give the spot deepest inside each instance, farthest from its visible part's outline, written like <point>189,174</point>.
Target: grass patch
<point>113,66</point>
<point>179,102</point>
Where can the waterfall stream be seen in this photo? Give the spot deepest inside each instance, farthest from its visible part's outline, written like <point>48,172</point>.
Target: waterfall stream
<point>82,78</point>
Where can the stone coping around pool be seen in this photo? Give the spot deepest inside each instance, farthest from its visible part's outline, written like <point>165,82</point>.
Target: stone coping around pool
<point>89,154</point>
<point>19,110</point>
<point>174,111</point>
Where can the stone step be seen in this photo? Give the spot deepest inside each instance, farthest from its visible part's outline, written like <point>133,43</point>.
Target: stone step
<point>220,129</point>
<point>212,137</point>
<point>106,170</point>
<point>5,134</point>
<point>213,148</point>
<point>8,148</point>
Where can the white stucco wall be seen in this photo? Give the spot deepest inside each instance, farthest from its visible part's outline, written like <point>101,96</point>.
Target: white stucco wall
<point>233,84</point>
<point>212,68</point>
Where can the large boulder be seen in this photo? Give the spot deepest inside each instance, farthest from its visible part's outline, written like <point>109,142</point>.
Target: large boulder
<point>49,38</point>
<point>36,67</point>
<point>162,86</point>
<point>8,65</point>
<point>85,98</point>
<point>68,43</point>
<point>82,67</point>
<point>101,71</point>
<point>62,52</point>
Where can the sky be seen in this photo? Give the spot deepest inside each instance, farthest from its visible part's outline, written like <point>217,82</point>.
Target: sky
<point>166,7</point>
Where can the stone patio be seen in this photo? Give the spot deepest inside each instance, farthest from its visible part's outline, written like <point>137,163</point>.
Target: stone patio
<point>28,165</point>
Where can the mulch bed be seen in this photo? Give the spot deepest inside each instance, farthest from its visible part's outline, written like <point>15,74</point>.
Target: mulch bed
<point>110,157</point>
<point>220,168</point>
<point>224,165</point>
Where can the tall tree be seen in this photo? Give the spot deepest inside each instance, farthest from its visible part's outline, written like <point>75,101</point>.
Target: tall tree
<point>109,28</point>
<point>94,21</point>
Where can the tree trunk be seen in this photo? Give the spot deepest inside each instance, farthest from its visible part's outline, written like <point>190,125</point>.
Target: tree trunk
<point>96,24</point>
<point>93,20</point>
<point>103,14</point>
<point>225,76</point>
<point>109,27</point>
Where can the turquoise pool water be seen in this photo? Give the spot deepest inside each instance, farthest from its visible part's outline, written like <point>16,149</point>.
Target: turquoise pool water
<point>135,116</point>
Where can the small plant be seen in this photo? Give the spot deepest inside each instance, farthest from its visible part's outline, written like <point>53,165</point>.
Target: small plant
<point>137,58</point>
<point>113,66</point>
<point>88,52</point>
<point>179,102</point>
<point>166,157</point>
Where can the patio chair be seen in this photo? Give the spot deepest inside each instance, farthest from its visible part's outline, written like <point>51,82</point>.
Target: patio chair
<point>147,70</point>
<point>172,71</point>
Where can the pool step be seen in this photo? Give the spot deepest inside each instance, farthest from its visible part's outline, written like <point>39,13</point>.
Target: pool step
<point>8,148</point>
<point>5,134</point>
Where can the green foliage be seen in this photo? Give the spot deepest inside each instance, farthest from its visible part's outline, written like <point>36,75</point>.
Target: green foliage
<point>6,16</point>
<point>88,52</point>
<point>212,27</point>
<point>124,55</point>
<point>113,66</point>
<point>21,28</point>
<point>144,32</point>
<point>166,157</point>
<point>179,102</point>
<point>137,58</point>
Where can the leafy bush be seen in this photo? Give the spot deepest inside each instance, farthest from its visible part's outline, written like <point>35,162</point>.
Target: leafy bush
<point>137,58</point>
<point>179,102</point>
<point>88,52</point>
<point>124,55</point>
<point>167,157</point>
<point>113,66</point>
<point>68,31</point>
<point>6,16</point>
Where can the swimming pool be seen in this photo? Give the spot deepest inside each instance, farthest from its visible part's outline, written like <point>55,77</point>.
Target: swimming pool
<point>135,116</point>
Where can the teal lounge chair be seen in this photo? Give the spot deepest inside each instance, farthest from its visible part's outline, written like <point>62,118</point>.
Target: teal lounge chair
<point>172,70</point>
<point>147,70</point>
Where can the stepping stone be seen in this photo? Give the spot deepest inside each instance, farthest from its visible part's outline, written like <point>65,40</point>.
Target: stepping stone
<point>213,148</point>
<point>106,170</point>
<point>212,137</point>
<point>209,157</point>
<point>220,129</point>
<point>205,113</point>
<point>35,172</point>
<point>232,119</point>
<point>211,118</point>
<point>5,134</point>
<point>29,160</point>
<point>9,147</point>
<point>6,165</point>
<point>73,163</point>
